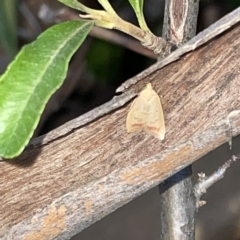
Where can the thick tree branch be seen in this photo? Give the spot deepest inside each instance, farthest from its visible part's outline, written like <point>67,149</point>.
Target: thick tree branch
<point>82,171</point>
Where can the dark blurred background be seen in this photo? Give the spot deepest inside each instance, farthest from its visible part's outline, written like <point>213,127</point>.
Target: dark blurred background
<point>104,61</point>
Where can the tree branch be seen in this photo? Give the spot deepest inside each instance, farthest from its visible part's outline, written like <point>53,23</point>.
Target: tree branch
<point>114,37</point>
<point>89,167</point>
<point>203,37</point>
<point>177,201</point>
<point>180,21</point>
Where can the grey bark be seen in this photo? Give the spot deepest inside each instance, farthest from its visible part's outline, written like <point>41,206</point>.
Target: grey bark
<point>177,201</point>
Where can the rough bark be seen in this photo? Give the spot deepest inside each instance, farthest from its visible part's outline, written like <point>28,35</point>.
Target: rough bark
<point>178,206</point>
<point>177,201</point>
<point>180,20</point>
<point>82,171</point>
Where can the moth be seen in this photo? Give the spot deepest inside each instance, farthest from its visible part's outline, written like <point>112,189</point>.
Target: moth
<point>146,114</point>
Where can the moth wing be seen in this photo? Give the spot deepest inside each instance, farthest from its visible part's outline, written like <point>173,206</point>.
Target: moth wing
<point>155,124</point>
<point>136,117</point>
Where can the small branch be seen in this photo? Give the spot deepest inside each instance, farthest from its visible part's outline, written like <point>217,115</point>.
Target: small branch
<point>203,37</point>
<point>157,44</point>
<point>122,40</point>
<point>106,34</point>
<point>109,19</point>
<point>107,6</point>
<point>206,182</point>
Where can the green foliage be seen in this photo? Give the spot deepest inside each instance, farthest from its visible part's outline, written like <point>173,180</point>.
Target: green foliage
<point>77,5</point>
<point>101,18</point>
<point>106,5</point>
<point>107,62</point>
<point>37,72</point>
<point>108,18</point>
<point>137,6</point>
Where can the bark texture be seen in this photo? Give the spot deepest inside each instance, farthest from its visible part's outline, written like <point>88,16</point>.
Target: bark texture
<point>76,175</point>
<point>177,201</point>
<point>180,20</point>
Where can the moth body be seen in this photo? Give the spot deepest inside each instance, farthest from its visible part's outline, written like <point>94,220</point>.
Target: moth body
<point>146,114</point>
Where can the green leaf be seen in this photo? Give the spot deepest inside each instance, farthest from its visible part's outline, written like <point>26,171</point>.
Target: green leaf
<point>107,6</point>
<point>99,16</point>
<point>78,6</point>
<point>37,72</point>
<point>8,26</point>
<point>137,6</point>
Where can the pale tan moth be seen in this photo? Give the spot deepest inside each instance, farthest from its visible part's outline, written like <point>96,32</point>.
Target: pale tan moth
<point>146,114</point>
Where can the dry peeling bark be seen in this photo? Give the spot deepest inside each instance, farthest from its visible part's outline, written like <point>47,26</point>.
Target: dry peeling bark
<point>77,176</point>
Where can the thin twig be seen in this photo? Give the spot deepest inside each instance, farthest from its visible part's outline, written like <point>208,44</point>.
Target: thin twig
<point>203,37</point>
<point>49,15</point>
<point>205,182</point>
